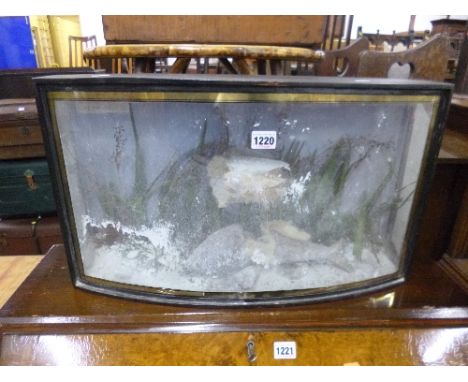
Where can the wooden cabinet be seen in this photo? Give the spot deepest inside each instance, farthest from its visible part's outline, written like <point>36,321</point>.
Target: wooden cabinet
<point>269,30</point>
<point>20,132</point>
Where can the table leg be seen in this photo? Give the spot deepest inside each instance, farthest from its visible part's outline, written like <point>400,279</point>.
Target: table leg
<point>276,67</point>
<point>225,62</point>
<point>242,66</point>
<point>262,67</point>
<point>180,65</point>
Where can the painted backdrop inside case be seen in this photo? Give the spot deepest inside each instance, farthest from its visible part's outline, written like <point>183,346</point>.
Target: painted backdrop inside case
<point>232,194</point>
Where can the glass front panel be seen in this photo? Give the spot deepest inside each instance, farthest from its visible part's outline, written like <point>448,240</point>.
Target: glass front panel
<point>226,195</point>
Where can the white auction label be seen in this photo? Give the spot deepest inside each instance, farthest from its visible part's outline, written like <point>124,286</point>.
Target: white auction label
<point>284,350</point>
<point>263,140</point>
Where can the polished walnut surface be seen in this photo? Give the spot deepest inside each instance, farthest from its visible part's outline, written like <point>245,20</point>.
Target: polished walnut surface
<point>203,50</point>
<point>454,148</point>
<point>48,321</point>
<point>49,292</point>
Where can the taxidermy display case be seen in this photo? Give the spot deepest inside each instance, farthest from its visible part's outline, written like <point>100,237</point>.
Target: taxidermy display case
<point>237,191</point>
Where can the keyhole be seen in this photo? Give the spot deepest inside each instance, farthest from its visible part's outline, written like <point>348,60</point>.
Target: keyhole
<point>25,131</point>
<point>251,354</point>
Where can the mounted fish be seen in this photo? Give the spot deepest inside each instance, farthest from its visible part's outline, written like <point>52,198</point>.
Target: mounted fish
<point>227,191</point>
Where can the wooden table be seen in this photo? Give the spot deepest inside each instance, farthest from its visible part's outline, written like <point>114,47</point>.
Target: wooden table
<point>246,59</point>
<point>49,322</point>
<point>13,271</point>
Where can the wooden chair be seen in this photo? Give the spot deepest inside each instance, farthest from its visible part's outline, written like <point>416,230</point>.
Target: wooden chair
<point>342,62</point>
<point>76,47</point>
<point>428,60</point>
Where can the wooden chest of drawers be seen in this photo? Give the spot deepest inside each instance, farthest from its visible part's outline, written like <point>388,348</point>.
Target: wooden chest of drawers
<point>20,131</point>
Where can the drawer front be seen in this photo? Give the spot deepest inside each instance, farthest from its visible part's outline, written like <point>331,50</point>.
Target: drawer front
<point>25,189</point>
<point>21,200</point>
<point>397,347</point>
<point>17,109</point>
<point>12,246</point>
<point>22,152</point>
<point>24,134</point>
<point>27,236</point>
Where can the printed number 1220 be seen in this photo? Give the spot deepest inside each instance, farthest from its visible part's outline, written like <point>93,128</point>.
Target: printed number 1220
<point>263,140</point>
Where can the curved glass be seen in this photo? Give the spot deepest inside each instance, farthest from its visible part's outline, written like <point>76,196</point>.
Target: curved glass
<point>237,193</point>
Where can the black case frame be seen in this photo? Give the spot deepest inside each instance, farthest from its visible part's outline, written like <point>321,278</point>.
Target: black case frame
<point>238,84</point>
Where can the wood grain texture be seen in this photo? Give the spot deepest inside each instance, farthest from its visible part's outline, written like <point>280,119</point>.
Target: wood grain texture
<point>180,65</point>
<point>203,50</point>
<point>454,147</point>
<point>369,347</point>
<point>441,210</point>
<point>458,247</point>
<point>29,236</point>
<point>27,134</point>
<point>22,152</point>
<point>49,322</point>
<point>47,301</point>
<point>350,56</point>
<point>428,60</point>
<point>457,269</point>
<point>20,131</point>
<point>13,271</point>
<point>460,100</point>
<point>281,30</point>
<point>458,113</point>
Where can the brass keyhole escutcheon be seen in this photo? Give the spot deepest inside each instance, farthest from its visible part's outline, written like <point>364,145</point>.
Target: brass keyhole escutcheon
<point>251,353</point>
<point>25,131</point>
<point>29,175</point>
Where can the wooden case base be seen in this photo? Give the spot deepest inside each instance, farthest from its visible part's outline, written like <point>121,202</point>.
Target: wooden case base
<point>49,322</point>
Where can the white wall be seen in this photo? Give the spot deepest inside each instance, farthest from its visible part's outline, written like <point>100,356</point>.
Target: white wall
<point>91,24</point>
<point>389,23</point>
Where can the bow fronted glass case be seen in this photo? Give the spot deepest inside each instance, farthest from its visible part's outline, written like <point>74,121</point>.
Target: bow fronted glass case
<point>240,191</point>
